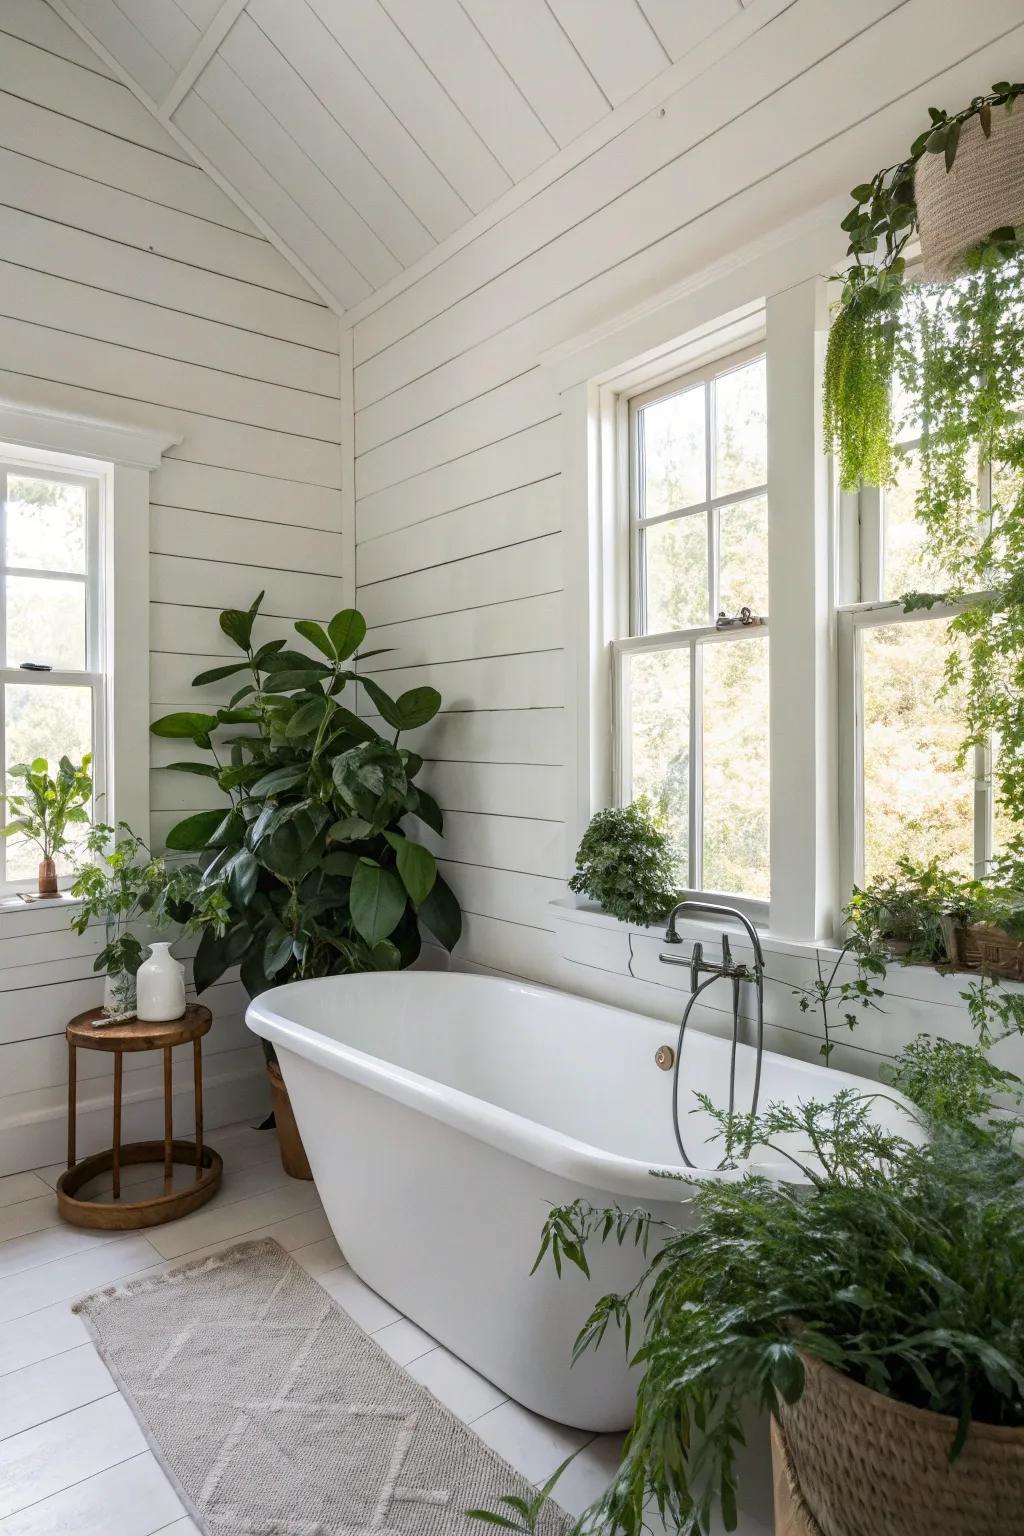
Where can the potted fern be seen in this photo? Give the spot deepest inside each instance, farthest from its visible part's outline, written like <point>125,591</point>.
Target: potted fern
<point>625,863</point>
<point>873,1310</point>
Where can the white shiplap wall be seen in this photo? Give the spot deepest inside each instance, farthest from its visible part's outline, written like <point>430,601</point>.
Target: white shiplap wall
<point>459,516</point>
<point>130,286</point>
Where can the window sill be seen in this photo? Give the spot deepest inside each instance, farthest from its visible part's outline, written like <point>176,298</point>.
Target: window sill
<point>589,936</point>
<point>14,901</point>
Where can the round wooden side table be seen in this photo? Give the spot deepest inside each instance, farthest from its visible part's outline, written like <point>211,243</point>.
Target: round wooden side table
<point>135,1035</point>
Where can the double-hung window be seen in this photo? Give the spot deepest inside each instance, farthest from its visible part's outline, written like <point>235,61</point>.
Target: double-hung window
<point>905,791</point>
<point>690,683</point>
<point>51,636</point>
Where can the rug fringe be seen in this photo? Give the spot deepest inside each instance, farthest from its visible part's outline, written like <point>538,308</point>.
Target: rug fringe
<point>173,1273</point>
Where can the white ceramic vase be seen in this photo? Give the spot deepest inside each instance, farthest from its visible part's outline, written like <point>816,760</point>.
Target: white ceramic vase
<point>160,985</point>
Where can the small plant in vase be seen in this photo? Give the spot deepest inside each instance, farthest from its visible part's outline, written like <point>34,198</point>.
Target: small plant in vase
<point>120,884</point>
<point>47,806</point>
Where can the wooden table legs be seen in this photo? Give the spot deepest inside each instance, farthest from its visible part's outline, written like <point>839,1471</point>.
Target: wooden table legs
<point>72,1100</point>
<point>168,1121</point>
<point>200,1166</point>
<point>116,1159</point>
<point>197,1061</point>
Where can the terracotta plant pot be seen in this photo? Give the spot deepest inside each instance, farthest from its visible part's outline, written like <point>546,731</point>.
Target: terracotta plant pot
<point>850,1462</point>
<point>47,878</point>
<point>293,1153</point>
<point>984,191</point>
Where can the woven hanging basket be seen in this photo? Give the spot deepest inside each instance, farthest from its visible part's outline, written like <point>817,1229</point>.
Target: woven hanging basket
<point>863,1464</point>
<point>984,191</point>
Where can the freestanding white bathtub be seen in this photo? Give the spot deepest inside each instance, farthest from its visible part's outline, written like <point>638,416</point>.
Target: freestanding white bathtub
<point>443,1114</point>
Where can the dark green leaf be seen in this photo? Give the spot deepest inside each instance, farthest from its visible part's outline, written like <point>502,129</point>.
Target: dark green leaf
<point>277,951</point>
<point>442,915</point>
<point>185,723</point>
<point>416,867</point>
<point>347,631</point>
<point>306,719</point>
<point>339,863</point>
<point>211,960</point>
<point>417,707</point>
<point>278,779</point>
<point>350,829</point>
<point>428,810</point>
<point>237,623</point>
<point>316,635</point>
<point>215,674</point>
<point>195,832</point>
<point>376,900</point>
<point>204,770</point>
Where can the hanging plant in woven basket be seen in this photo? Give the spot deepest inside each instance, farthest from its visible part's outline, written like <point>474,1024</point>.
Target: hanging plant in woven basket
<point>961,191</point>
<point>954,344</point>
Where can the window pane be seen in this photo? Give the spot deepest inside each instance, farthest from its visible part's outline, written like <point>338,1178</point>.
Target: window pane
<point>736,768</point>
<point>674,465</point>
<point>46,524</point>
<point>42,722</point>
<point>916,801</point>
<point>910,563</point>
<point>46,622</point>
<point>658,688</point>
<point>743,557</point>
<point>741,428</point>
<point>676,566</point>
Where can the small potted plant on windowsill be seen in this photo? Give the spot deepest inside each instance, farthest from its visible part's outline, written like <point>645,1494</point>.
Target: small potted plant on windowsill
<point>625,863</point>
<point>909,914</point>
<point>47,806</point>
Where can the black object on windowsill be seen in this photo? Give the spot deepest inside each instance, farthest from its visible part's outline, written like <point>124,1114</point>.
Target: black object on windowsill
<point>35,666</point>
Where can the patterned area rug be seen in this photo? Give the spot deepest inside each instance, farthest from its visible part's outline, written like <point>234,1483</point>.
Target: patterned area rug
<point>276,1415</point>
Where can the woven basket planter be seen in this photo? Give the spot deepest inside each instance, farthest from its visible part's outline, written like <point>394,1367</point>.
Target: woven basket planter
<point>293,1154</point>
<point>984,191</point>
<point>983,947</point>
<point>853,1463</point>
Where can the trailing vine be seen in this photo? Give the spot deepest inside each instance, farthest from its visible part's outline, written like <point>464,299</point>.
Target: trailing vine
<point>957,352</point>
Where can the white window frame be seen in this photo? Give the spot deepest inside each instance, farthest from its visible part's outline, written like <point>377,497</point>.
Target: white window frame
<point>694,638</point>
<point>768,288</point>
<point>93,676</point>
<point>863,541</point>
<point>118,456</point>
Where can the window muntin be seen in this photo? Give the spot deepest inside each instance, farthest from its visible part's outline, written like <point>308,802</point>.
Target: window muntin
<point>49,615</point>
<point>691,698</point>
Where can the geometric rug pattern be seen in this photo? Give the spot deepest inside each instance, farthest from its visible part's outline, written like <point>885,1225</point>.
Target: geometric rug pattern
<point>274,1414</point>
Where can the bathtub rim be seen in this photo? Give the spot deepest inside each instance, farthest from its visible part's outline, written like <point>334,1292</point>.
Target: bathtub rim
<point>531,1141</point>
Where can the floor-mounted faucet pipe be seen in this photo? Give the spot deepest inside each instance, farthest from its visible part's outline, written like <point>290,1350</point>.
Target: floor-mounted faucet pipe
<point>735,973</point>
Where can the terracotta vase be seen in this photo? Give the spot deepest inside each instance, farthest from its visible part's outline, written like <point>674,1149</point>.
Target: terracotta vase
<point>47,878</point>
<point>293,1153</point>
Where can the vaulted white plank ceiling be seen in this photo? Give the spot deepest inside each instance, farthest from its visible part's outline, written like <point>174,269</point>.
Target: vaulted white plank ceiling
<point>362,133</point>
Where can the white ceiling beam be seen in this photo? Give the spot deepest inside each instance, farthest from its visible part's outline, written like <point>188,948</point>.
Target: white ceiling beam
<point>195,154</point>
<point>202,53</point>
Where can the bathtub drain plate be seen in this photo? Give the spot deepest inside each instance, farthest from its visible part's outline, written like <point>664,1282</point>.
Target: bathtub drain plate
<point>665,1057</point>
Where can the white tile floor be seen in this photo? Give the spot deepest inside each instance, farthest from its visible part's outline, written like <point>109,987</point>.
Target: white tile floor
<point>72,1458</point>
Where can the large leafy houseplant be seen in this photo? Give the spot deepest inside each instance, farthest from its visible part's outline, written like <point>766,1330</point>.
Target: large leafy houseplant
<point>310,855</point>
